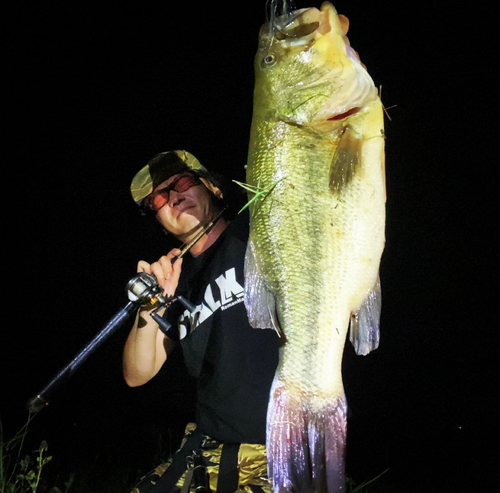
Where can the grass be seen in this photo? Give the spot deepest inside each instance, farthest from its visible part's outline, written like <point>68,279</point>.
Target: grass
<point>21,472</point>
<point>105,468</point>
<point>79,463</point>
<point>365,486</point>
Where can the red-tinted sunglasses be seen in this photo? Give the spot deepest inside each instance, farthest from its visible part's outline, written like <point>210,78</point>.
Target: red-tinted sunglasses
<point>161,197</point>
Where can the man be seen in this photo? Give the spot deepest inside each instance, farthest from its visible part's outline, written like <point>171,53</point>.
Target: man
<point>233,363</point>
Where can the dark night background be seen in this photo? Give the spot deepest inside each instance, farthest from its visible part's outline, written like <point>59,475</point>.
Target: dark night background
<point>93,90</point>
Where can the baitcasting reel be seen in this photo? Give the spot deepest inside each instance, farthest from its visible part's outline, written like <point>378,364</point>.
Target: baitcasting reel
<point>143,289</point>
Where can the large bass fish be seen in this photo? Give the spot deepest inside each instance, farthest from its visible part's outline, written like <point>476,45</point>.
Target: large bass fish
<point>316,168</point>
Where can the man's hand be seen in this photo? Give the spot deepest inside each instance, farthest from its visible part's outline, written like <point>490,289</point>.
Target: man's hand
<point>165,272</point>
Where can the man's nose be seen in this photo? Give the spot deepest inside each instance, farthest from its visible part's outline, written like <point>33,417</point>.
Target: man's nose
<point>173,198</point>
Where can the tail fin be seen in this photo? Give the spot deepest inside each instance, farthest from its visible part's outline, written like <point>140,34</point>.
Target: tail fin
<point>305,446</point>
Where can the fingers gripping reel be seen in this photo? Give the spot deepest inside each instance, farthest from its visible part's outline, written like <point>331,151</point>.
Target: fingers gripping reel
<point>143,289</point>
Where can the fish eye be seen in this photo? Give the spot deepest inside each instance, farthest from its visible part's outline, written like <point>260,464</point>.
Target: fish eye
<point>269,60</point>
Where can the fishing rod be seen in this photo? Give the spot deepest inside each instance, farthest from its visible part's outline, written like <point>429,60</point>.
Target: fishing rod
<point>146,285</point>
<point>143,290</point>
<point>203,231</point>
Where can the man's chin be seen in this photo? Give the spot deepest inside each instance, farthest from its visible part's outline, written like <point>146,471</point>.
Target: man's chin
<point>191,228</point>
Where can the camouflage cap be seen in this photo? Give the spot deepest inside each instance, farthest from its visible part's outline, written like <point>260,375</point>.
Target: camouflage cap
<point>161,167</point>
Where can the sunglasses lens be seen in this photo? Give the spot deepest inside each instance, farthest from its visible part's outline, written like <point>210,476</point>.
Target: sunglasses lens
<point>185,183</point>
<point>159,200</point>
<point>161,197</point>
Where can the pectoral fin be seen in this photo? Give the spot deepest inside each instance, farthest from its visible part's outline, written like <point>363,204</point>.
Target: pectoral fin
<point>365,322</point>
<point>346,160</point>
<point>259,300</point>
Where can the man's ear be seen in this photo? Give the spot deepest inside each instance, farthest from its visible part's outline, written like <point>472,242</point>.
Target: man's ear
<point>214,189</point>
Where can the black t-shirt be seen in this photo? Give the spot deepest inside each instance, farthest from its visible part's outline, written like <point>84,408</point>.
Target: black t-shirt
<point>233,363</point>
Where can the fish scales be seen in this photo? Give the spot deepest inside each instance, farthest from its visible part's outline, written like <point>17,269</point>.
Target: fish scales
<point>316,161</point>
<point>304,240</point>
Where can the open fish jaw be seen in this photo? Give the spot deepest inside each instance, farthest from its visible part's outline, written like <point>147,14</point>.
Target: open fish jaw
<point>331,79</point>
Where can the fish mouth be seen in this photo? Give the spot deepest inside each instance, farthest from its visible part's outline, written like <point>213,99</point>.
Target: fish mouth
<point>300,25</point>
<point>341,86</point>
<point>294,25</point>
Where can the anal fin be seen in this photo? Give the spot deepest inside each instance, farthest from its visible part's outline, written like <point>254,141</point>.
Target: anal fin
<point>365,322</point>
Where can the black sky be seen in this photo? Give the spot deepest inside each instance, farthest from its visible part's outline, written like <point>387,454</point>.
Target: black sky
<point>94,90</point>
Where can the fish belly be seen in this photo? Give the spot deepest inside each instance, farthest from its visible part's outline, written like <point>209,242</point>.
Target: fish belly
<point>313,258</point>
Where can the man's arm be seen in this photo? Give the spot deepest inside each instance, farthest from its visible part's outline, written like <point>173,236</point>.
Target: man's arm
<point>147,348</point>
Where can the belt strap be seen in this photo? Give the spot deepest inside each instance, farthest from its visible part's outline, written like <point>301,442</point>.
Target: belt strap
<point>170,477</point>
<point>227,481</point>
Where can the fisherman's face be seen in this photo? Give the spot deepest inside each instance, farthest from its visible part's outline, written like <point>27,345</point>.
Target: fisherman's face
<point>184,210</point>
